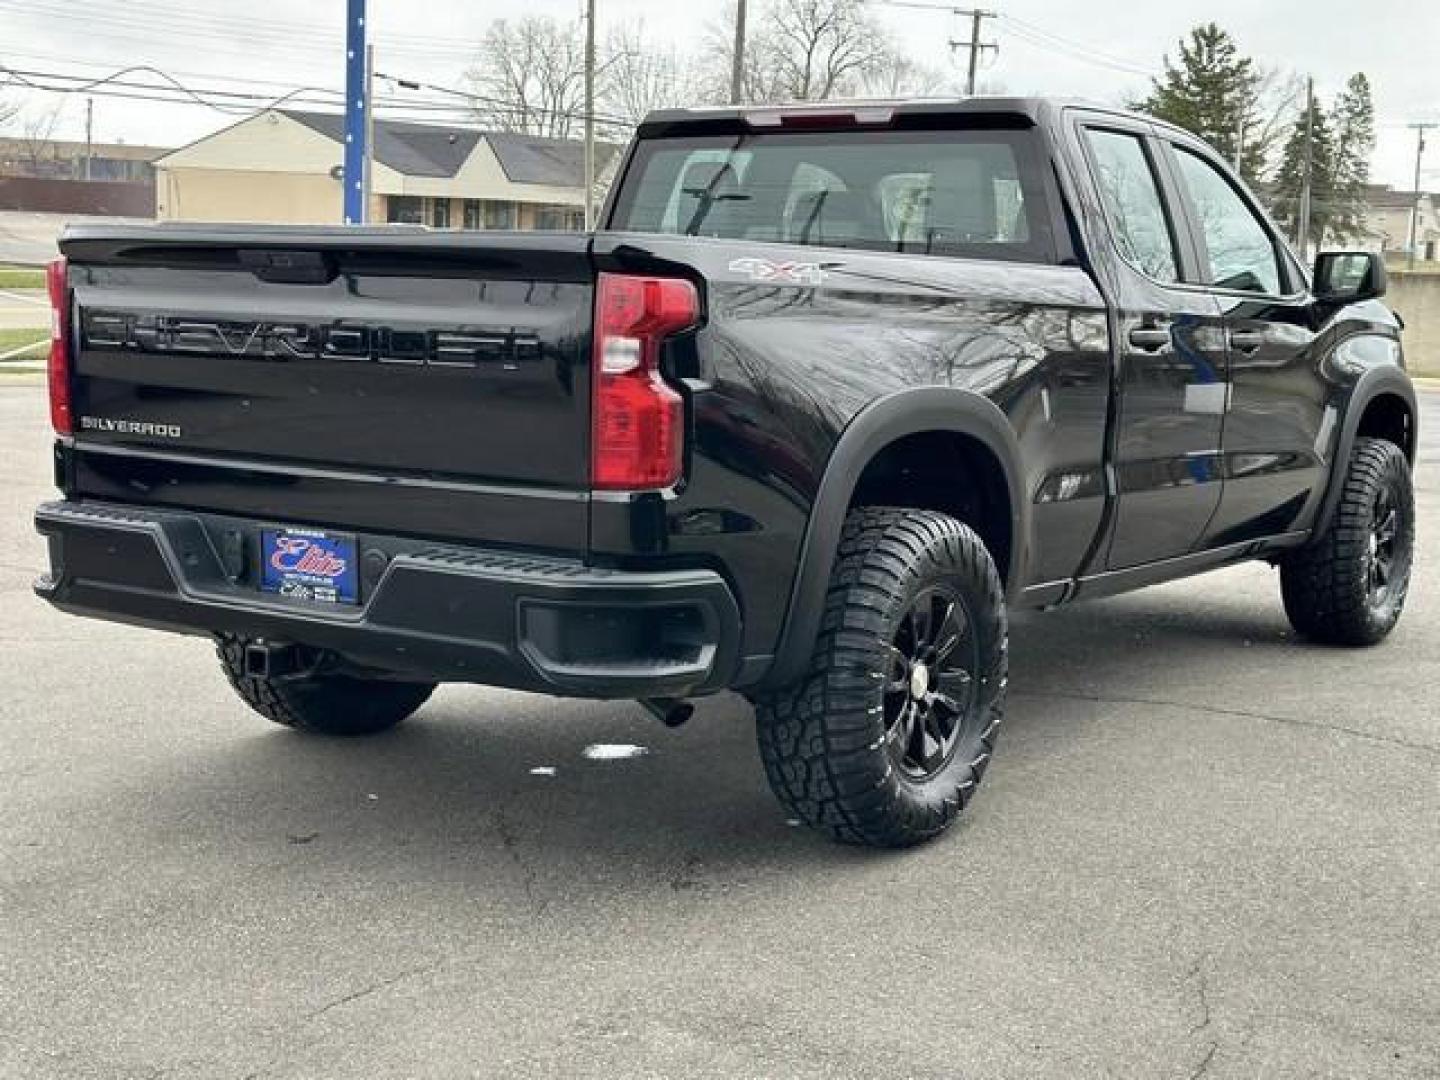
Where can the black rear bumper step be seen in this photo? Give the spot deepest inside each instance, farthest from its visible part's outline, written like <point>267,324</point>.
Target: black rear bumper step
<point>521,620</point>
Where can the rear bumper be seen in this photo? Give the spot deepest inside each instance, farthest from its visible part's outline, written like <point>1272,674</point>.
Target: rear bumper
<point>447,613</point>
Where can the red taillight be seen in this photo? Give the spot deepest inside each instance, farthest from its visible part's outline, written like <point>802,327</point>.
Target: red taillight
<point>59,366</point>
<point>637,418</point>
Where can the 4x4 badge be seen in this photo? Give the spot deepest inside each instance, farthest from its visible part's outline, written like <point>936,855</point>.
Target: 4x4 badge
<point>780,273</point>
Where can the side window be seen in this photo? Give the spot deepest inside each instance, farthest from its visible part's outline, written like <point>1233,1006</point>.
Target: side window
<point>1241,253</point>
<point>1132,203</point>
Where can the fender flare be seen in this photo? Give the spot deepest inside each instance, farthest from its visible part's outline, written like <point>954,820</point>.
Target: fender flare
<point>1372,383</point>
<point>907,412</point>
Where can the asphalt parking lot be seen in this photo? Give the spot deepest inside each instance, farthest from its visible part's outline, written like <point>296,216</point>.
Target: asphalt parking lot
<point>1203,850</point>
<point>24,309</point>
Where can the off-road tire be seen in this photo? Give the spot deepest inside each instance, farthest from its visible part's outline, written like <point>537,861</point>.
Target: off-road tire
<point>322,703</point>
<point>1327,585</point>
<point>822,740</point>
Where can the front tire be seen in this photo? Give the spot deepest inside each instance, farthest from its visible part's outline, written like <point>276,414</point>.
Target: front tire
<point>326,703</point>
<point>886,737</point>
<point>1348,585</point>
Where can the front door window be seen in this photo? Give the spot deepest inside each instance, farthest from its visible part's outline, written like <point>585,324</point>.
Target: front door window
<point>1239,253</point>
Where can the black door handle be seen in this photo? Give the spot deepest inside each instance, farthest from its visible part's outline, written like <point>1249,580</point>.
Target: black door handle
<point>1149,338</point>
<point>1246,341</point>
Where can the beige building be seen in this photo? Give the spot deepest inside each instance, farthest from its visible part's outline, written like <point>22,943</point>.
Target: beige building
<point>283,165</point>
<point>1388,221</point>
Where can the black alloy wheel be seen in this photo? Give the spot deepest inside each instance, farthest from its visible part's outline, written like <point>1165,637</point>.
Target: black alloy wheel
<point>931,687</point>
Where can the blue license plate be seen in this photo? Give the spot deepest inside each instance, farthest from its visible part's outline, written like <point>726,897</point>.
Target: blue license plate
<point>309,565</point>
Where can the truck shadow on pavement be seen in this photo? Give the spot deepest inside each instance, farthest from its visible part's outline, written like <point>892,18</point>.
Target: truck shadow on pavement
<point>451,797</point>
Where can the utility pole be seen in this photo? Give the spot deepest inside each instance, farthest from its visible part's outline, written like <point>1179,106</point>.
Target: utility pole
<point>737,57</point>
<point>975,45</point>
<point>1420,130</point>
<point>357,114</point>
<point>89,130</point>
<point>1239,143</point>
<point>1302,231</point>
<point>589,115</point>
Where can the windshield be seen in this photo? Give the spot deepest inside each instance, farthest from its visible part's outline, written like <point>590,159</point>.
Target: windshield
<point>931,192</point>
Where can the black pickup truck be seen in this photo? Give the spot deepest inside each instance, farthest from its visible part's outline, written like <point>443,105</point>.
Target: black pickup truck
<point>831,390</point>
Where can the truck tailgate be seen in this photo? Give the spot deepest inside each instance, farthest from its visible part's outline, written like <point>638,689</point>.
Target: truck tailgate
<point>437,372</point>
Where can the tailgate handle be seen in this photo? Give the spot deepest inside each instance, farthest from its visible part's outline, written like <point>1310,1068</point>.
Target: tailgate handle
<point>289,267</point>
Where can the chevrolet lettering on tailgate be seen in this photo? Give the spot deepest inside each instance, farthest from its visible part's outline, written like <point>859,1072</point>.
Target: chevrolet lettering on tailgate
<point>469,347</point>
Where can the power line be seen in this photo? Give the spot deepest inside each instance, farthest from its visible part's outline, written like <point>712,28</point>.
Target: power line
<point>174,92</point>
<point>148,23</point>
<point>247,104</point>
<point>492,104</point>
<point>238,80</point>
<point>25,77</point>
<point>1074,50</point>
<point>1030,33</point>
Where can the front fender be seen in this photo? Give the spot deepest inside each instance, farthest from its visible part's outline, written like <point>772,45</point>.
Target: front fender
<point>907,412</point>
<point>1372,361</point>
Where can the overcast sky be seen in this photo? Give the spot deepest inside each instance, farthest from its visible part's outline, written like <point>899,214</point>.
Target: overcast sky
<point>1095,49</point>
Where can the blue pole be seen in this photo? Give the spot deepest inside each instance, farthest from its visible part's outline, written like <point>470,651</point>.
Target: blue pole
<point>355,109</point>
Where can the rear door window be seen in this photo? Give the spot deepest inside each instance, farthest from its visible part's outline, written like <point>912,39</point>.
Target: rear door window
<point>1133,205</point>
<point>966,193</point>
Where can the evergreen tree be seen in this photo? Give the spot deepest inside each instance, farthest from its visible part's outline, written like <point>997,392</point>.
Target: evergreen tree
<point>1342,141</point>
<point>1214,92</point>
<point>1352,119</point>
<point>1289,186</point>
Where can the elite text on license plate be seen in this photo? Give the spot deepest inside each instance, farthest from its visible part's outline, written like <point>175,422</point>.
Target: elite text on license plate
<point>309,564</point>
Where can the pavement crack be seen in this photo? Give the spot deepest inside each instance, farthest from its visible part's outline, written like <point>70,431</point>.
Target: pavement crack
<point>372,988</point>
<point>1204,1066</point>
<point>1196,977</point>
<point>510,841</point>
<point>1246,714</point>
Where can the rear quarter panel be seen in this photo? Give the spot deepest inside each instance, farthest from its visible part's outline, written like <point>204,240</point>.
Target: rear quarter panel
<point>797,341</point>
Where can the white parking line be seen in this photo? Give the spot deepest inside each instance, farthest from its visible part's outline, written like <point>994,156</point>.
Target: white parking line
<point>24,299</point>
<point>22,348</point>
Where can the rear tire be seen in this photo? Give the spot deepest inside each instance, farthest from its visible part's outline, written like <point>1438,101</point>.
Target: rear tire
<point>321,702</point>
<point>888,734</point>
<point>1348,585</point>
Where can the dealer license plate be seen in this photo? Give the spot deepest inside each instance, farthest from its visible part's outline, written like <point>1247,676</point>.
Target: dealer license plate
<point>309,564</point>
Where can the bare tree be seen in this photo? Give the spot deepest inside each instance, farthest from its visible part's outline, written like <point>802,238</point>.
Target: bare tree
<point>823,48</point>
<point>637,79</point>
<point>898,76</point>
<point>37,138</point>
<point>811,50</point>
<point>1279,98</point>
<point>713,65</point>
<point>530,77</point>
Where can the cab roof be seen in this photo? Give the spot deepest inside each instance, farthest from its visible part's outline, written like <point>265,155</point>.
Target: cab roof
<point>872,112</point>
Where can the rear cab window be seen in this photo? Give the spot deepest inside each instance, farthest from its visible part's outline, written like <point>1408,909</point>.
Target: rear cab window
<point>966,193</point>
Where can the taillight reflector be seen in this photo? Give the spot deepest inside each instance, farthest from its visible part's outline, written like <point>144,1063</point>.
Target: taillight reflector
<point>637,419</point>
<point>61,418</point>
